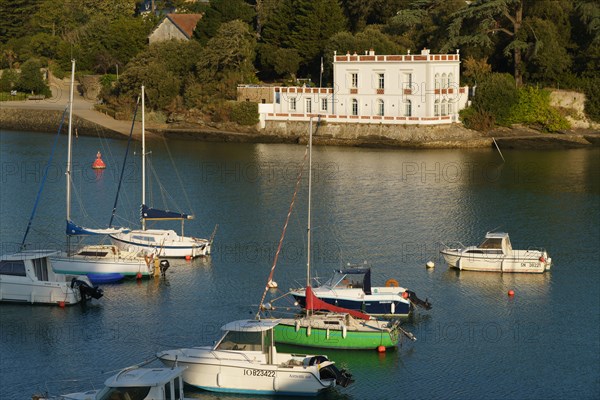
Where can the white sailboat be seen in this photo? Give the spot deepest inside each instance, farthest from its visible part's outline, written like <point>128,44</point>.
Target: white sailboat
<point>164,242</point>
<point>245,360</point>
<point>102,263</point>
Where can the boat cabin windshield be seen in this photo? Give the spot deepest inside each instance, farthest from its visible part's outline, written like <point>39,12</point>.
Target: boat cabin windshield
<point>491,243</point>
<point>341,280</point>
<point>124,393</point>
<point>238,340</point>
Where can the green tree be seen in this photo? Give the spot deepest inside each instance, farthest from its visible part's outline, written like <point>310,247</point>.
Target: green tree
<point>477,23</point>
<point>162,68</point>
<point>219,12</point>
<point>228,60</point>
<point>424,23</point>
<point>32,79</point>
<point>306,26</point>
<point>15,18</point>
<point>497,95</point>
<point>8,80</point>
<point>547,59</point>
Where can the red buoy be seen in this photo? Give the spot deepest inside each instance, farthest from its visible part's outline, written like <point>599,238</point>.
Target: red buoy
<point>511,292</point>
<point>139,275</point>
<point>61,304</point>
<point>405,295</point>
<point>188,258</point>
<point>381,349</point>
<point>98,163</point>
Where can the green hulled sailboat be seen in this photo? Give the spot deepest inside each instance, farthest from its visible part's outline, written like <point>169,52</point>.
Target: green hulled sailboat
<point>338,328</point>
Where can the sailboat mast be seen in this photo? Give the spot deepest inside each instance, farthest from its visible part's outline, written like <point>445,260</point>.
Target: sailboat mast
<point>309,203</point>
<point>143,156</point>
<point>69,156</point>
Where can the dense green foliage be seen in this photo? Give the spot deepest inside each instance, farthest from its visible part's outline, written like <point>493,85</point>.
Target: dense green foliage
<point>244,113</point>
<point>533,108</point>
<point>497,95</point>
<point>31,79</point>
<point>549,43</point>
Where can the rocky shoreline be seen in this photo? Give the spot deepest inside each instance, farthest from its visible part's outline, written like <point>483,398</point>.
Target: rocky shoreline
<point>356,135</point>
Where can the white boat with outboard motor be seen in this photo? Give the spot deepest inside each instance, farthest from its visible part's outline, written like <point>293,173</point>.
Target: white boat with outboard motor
<point>246,360</point>
<point>351,288</point>
<point>28,277</point>
<point>496,254</point>
<point>133,383</point>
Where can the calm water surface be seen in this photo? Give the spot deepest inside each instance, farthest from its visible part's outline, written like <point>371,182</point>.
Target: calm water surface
<point>392,209</point>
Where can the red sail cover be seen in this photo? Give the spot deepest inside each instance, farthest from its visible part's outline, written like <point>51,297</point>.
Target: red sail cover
<point>314,303</point>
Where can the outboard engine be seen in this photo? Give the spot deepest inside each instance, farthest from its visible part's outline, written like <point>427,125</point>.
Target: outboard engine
<point>164,266</point>
<point>328,370</point>
<point>412,296</point>
<point>86,291</point>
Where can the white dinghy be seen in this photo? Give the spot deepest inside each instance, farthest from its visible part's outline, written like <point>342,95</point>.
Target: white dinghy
<point>245,360</point>
<point>496,254</point>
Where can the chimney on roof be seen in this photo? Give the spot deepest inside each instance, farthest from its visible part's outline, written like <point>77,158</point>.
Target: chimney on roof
<point>371,52</point>
<point>408,52</point>
<point>425,51</point>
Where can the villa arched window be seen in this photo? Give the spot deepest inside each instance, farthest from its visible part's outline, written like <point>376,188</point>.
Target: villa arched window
<point>408,108</point>
<point>380,107</point>
<point>450,79</point>
<point>436,107</point>
<point>354,107</point>
<point>444,81</point>
<point>437,81</point>
<point>444,106</point>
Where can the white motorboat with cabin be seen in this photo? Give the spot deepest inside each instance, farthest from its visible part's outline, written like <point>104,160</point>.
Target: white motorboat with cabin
<point>28,277</point>
<point>245,360</point>
<point>134,383</point>
<point>162,242</point>
<point>496,254</point>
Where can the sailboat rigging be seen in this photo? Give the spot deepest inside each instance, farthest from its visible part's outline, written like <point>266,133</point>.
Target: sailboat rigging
<point>165,242</point>
<point>338,327</point>
<point>100,262</point>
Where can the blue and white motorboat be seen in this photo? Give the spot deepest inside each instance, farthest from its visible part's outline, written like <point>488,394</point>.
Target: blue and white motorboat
<point>351,288</point>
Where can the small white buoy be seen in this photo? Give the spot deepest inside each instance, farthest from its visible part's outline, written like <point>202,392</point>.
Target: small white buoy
<point>430,264</point>
<point>272,284</point>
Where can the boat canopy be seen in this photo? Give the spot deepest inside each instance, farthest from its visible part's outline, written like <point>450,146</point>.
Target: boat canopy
<point>76,230</point>
<point>359,277</point>
<point>135,377</point>
<point>156,214</point>
<point>250,325</point>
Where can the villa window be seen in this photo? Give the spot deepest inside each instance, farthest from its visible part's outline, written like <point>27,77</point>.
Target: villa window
<point>444,81</point>
<point>381,81</point>
<point>444,104</point>
<point>308,106</point>
<point>450,79</point>
<point>450,107</point>
<point>437,81</point>
<point>380,107</point>
<point>354,107</point>
<point>354,77</point>
<point>436,108</point>
<point>293,104</point>
<point>324,104</point>
<point>408,108</point>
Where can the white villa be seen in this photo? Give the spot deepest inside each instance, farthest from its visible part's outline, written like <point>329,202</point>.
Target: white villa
<point>381,89</point>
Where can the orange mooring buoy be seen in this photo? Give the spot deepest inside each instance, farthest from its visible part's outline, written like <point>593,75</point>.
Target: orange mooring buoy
<point>98,163</point>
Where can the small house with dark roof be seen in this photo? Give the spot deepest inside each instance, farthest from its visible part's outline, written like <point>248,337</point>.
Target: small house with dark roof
<point>175,26</point>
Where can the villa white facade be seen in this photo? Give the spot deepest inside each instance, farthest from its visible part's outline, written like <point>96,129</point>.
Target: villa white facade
<point>389,89</point>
